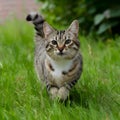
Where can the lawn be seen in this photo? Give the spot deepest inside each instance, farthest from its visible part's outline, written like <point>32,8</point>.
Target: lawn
<point>95,97</point>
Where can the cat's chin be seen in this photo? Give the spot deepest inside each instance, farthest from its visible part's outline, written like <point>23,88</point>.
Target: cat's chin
<point>62,57</point>
<point>59,57</point>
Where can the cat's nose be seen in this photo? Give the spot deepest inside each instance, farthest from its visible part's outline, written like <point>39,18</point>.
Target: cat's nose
<point>61,49</point>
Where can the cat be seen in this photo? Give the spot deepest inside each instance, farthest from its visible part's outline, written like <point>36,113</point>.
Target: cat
<point>58,60</point>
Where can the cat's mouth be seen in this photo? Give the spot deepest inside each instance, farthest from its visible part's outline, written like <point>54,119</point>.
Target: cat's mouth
<point>60,53</point>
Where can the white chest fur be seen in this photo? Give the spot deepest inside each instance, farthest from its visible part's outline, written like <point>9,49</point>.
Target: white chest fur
<point>60,66</point>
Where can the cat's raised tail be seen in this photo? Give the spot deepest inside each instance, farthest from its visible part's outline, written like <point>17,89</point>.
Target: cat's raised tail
<point>38,21</point>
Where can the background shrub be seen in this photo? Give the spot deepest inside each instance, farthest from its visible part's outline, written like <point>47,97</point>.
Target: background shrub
<point>95,16</point>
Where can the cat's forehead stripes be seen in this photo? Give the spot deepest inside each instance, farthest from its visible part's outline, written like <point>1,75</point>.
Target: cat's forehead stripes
<point>60,34</point>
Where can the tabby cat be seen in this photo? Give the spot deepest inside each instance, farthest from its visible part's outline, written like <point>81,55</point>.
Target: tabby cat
<point>58,61</point>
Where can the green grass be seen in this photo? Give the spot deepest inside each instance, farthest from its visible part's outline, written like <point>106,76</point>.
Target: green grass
<point>95,97</point>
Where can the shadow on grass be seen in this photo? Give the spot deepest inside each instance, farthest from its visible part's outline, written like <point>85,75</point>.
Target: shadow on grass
<point>100,97</point>
<point>79,98</point>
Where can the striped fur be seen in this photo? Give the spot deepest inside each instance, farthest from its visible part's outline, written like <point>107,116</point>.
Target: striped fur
<point>38,21</point>
<point>58,61</point>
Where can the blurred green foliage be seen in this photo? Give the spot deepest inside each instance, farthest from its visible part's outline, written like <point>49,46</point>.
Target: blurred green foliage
<point>95,16</point>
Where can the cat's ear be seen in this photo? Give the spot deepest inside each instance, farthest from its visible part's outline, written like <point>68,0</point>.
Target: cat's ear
<point>74,27</point>
<point>47,29</point>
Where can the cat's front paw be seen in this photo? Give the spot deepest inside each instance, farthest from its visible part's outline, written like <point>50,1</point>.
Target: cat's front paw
<point>63,93</point>
<point>53,93</point>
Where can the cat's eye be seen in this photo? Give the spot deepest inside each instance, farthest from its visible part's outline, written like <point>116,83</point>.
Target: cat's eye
<point>54,42</point>
<point>68,41</point>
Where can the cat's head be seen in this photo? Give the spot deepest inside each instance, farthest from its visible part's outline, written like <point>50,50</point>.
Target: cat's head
<point>62,44</point>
